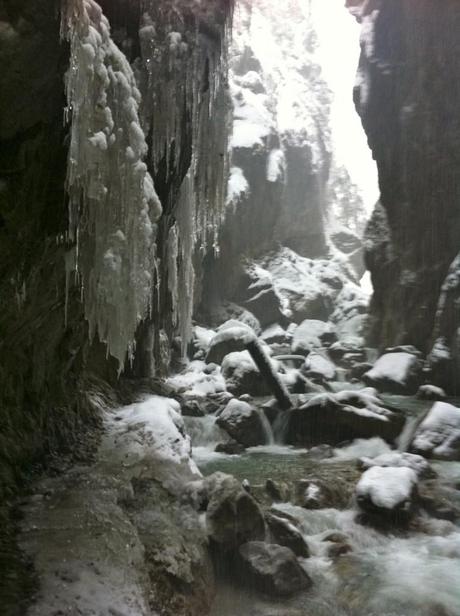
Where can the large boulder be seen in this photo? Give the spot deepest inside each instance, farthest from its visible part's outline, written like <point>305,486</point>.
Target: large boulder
<point>272,569</point>
<point>233,336</point>
<point>438,435</point>
<point>388,492</point>
<point>332,419</point>
<point>242,375</point>
<point>232,515</point>
<point>243,422</point>
<point>398,373</point>
<point>266,306</point>
<point>312,334</point>
<point>318,367</point>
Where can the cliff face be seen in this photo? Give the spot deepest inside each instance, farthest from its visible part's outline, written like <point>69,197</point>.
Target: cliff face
<point>280,145</point>
<point>90,259</point>
<point>408,96</point>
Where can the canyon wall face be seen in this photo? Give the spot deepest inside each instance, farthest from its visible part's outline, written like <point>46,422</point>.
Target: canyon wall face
<point>155,80</point>
<point>280,144</point>
<point>408,96</point>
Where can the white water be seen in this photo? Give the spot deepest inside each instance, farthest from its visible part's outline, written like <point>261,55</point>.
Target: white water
<point>397,576</point>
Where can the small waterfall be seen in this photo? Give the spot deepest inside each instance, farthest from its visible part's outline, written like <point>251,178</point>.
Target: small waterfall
<point>268,431</point>
<point>204,431</point>
<point>280,426</point>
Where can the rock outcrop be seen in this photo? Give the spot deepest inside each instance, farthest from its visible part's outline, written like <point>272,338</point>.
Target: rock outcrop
<point>407,96</point>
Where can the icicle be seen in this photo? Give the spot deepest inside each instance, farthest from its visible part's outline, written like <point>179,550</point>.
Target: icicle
<point>112,200</point>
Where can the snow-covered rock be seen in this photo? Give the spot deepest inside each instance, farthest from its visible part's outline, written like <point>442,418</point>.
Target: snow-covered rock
<point>332,419</point>
<point>398,373</point>
<point>243,422</point>
<point>438,436</point>
<point>387,491</point>
<point>397,459</point>
<point>319,367</point>
<point>198,380</point>
<point>242,375</point>
<point>275,334</point>
<point>231,337</point>
<point>201,340</point>
<point>431,392</point>
<point>312,334</point>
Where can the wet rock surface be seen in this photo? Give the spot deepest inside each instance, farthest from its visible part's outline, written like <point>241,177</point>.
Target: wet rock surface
<point>286,534</point>
<point>273,569</point>
<point>243,423</point>
<point>232,515</point>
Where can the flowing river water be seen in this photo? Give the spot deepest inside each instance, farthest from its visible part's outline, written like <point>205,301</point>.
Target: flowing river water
<point>396,573</point>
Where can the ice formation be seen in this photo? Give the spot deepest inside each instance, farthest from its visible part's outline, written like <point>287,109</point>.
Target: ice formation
<point>112,200</point>
<point>166,53</point>
<point>189,107</point>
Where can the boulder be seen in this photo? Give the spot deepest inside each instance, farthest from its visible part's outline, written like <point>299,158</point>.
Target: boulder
<point>317,366</point>
<point>359,369</point>
<point>275,334</point>
<point>313,494</point>
<point>332,419</point>
<point>272,569</point>
<point>340,348</point>
<point>431,392</point>
<point>266,306</point>
<point>232,515</point>
<point>398,373</point>
<point>398,459</point>
<point>232,336</point>
<point>243,422</point>
<point>388,493</point>
<point>242,375</point>
<point>312,334</point>
<point>286,534</point>
<point>438,435</point>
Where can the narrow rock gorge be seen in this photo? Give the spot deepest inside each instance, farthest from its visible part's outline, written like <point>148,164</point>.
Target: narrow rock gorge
<point>205,407</point>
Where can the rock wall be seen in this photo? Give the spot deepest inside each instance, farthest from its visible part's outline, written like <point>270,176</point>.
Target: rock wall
<point>50,366</point>
<point>408,95</point>
<point>281,150</point>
